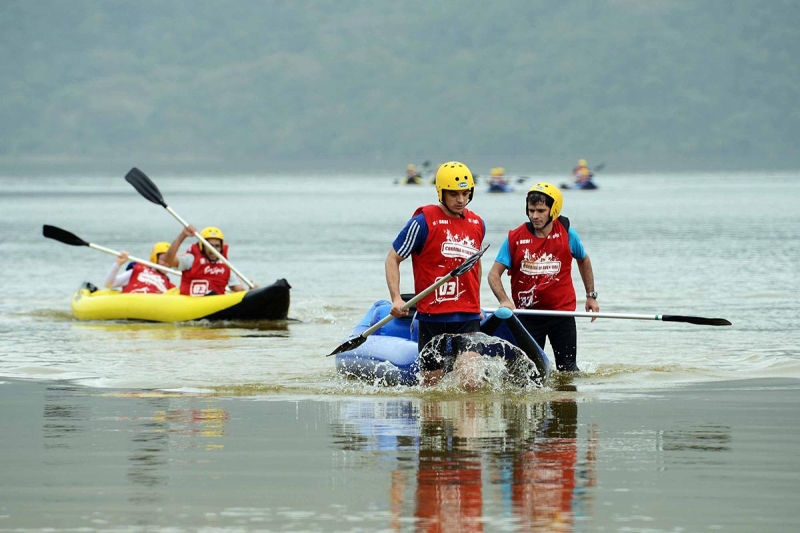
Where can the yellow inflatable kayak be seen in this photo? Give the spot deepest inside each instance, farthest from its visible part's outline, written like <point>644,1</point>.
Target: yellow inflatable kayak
<point>264,303</point>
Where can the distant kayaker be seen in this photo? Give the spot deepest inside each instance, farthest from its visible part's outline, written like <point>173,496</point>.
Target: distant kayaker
<point>578,170</point>
<point>438,238</point>
<point>538,256</point>
<point>138,277</point>
<point>582,174</point>
<point>412,176</point>
<point>498,177</point>
<point>203,273</point>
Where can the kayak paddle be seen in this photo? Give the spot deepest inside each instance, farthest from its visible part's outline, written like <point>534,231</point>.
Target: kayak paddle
<point>58,234</point>
<point>464,267</point>
<point>150,191</point>
<point>699,320</point>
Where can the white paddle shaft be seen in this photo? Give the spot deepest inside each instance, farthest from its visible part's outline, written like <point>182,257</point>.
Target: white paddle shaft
<point>162,268</point>
<point>216,252</point>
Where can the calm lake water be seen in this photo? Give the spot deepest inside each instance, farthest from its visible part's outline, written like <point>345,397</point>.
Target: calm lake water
<point>146,425</point>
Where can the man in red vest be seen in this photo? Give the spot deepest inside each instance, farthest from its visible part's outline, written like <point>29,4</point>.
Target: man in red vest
<point>439,238</point>
<point>203,274</point>
<point>538,256</point>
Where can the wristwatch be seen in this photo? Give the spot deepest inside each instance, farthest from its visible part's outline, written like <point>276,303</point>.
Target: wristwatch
<point>592,294</point>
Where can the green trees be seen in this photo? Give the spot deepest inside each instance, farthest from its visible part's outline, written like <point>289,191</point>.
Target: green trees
<point>636,82</point>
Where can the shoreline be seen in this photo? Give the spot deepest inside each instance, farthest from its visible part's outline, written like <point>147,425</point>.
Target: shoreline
<point>561,384</point>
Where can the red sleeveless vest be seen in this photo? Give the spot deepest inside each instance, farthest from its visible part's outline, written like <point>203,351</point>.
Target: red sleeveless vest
<point>450,242</point>
<point>205,276</point>
<point>541,269</point>
<point>146,279</point>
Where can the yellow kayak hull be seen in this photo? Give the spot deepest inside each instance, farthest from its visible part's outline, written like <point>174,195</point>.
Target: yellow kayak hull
<point>264,303</point>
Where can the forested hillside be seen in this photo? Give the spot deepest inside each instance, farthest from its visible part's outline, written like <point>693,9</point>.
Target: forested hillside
<point>636,83</point>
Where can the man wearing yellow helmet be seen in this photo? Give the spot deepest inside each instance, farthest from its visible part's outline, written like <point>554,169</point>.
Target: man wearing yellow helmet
<point>138,277</point>
<point>202,272</point>
<point>438,238</point>
<point>538,256</point>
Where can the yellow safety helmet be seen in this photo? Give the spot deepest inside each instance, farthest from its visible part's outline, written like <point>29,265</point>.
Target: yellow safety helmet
<point>454,176</point>
<point>498,171</point>
<point>212,233</point>
<point>548,189</point>
<point>582,162</point>
<point>411,167</point>
<point>158,248</point>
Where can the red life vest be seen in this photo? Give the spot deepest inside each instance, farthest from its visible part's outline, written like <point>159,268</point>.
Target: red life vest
<point>579,175</point>
<point>146,279</point>
<point>541,269</point>
<point>450,242</point>
<point>449,493</point>
<point>545,492</point>
<point>205,276</point>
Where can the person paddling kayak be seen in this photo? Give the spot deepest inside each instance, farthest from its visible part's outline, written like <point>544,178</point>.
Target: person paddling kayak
<point>138,277</point>
<point>203,272</point>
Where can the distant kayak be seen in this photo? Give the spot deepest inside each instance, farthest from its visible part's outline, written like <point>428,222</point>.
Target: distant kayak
<point>587,186</point>
<point>412,180</point>
<point>500,187</point>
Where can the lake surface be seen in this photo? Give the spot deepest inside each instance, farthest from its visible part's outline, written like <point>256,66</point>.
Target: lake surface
<point>165,404</point>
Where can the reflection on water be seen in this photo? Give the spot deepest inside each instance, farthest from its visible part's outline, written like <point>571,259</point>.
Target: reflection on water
<point>165,423</point>
<point>451,460</point>
<point>202,330</point>
<point>710,438</point>
<point>553,461</point>
<point>150,439</point>
<point>61,418</point>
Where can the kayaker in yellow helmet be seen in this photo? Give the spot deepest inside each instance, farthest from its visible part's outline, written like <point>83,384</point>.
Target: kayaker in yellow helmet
<point>412,176</point>
<point>203,272</point>
<point>582,173</point>
<point>438,238</point>
<point>538,256</point>
<point>138,277</point>
<point>498,177</point>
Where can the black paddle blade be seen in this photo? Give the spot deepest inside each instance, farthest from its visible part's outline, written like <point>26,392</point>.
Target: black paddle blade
<point>52,232</point>
<point>599,167</point>
<point>348,345</point>
<point>467,265</point>
<point>145,186</point>
<point>699,320</point>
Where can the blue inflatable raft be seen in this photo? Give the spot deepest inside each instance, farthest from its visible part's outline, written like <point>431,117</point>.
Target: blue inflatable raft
<point>390,354</point>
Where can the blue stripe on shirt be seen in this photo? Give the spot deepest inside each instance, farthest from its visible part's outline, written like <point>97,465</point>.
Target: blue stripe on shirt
<point>412,237</point>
